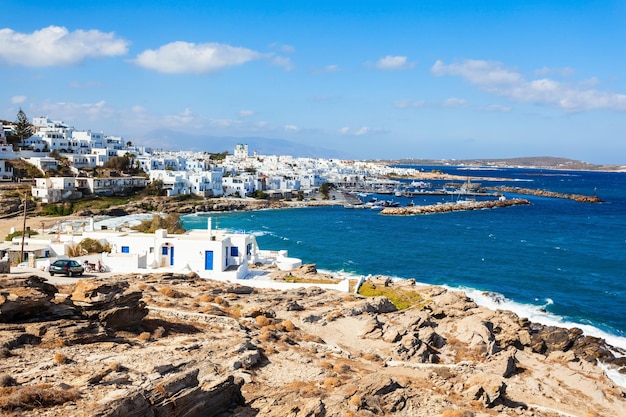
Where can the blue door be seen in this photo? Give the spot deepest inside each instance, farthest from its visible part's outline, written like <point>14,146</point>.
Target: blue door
<point>172,256</point>
<point>208,260</point>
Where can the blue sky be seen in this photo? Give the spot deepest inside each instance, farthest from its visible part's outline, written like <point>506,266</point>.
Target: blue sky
<point>371,79</point>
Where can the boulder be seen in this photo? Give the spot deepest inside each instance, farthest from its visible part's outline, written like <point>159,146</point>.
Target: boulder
<point>25,299</point>
<point>180,395</point>
<point>110,303</point>
<point>374,305</point>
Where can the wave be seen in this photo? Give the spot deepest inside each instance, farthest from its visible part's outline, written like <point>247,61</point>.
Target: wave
<point>496,301</point>
<point>538,314</point>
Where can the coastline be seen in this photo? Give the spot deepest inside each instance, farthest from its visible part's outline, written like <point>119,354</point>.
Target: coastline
<point>319,349</point>
<point>492,301</point>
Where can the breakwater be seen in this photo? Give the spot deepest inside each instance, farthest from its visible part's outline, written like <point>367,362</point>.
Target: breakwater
<point>551,194</point>
<point>448,207</point>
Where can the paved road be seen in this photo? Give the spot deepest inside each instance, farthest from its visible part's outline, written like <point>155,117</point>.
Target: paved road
<point>54,280</point>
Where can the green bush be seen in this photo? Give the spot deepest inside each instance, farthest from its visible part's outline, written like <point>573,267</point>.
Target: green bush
<point>17,233</point>
<point>93,246</point>
<point>61,209</point>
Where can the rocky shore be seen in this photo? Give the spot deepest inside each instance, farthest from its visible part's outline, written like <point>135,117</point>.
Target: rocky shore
<point>166,344</point>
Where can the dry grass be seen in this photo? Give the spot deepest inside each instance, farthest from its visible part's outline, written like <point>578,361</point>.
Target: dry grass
<point>307,337</point>
<point>309,280</point>
<point>31,397</point>
<point>332,382</point>
<point>286,326</point>
<point>263,321</point>
<point>60,359</point>
<point>400,297</point>
<point>457,413</point>
<point>144,336</point>
<point>371,357</point>
<point>170,292</point>
<point>221,301</point>
<point>306,389</point>
<point>204,298</point>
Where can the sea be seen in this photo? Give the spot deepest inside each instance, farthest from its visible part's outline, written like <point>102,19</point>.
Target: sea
<point>556,261</point>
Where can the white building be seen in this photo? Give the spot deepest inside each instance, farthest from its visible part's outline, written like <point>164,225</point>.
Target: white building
<point>55,189</point>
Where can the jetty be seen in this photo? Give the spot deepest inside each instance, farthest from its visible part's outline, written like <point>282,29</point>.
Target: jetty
<point>550,194</point>
<point>456,206</point>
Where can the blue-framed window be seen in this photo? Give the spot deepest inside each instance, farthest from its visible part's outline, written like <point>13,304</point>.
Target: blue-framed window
<point>164,250</point>
<point>234,251</point>
<point>125,249</point>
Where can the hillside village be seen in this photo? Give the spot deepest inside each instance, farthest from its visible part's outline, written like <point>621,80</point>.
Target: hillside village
<point>69,162</point>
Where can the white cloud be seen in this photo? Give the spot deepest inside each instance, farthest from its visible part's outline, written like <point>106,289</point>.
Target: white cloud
<point>565,71</point>
<point>283,48</point>
<point>71,112</point>
<point>496,79</point>
<point>454,102</point>
<point>361,131</point>
<point>18,99</point>
<point>56,46</point>
<point>184,57</point>
<point>328,69</point>
<point>394,63</point>
<point>280,61</point>
<point>291,128</point>
<point>245,113</point>
<point>496,108</point>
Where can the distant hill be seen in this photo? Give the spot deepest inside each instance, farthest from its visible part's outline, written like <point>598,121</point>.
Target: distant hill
<point>548,162</point>
<point>174,140</point>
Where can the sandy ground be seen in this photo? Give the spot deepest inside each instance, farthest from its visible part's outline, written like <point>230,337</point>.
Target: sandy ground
<point>38,224</point>
<point>35,223</point>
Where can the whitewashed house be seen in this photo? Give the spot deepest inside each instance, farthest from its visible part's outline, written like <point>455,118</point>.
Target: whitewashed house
<point>55,189</point>
<point>44,163</point>
<point>111,185</point>
<point>209,253</point>
<point>240,185</point>
<point>207,183</point>
<point>6,171</point>
<point>81,161</point>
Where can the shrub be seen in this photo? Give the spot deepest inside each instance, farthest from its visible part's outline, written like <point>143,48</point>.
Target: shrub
<point>60,359</point>
<point>17,233</point>
<point>75,250</point>
<point>28,398</point>
<point>332,382</point>
<point>7,381</point>
<point>92,245</point>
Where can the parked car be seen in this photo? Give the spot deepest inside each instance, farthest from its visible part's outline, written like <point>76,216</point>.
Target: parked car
<point>66,267</point>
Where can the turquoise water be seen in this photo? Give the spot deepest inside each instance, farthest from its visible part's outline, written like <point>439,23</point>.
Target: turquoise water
<point>555,261</point>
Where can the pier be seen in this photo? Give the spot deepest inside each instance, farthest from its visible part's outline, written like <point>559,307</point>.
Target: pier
<point>449,207</point>
<point>550,194</point>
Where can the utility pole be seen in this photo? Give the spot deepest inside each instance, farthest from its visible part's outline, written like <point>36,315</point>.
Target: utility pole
<point>23,231</point>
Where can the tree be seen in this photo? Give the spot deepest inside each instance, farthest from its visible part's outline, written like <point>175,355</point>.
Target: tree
<point>23,127</point>
<point>120,163</point>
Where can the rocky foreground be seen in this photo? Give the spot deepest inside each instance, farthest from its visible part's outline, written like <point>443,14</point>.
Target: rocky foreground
<point>174,345</point>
